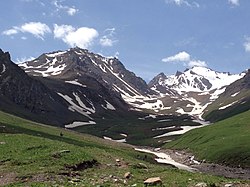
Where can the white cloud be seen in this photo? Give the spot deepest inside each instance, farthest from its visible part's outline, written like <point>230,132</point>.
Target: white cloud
<point>38,29</point>
<point>179,57</point>
<point>62,30</point>
<point>183,2</point>
<point>10,32</point>
<point>247,44</point>
<point>108,40</point>
<point>184,58</point>
<point>24,59</point>
<point>196,63</point>
<point>24,38</point>
<point>70,10</point>
<point>82,37</point>
<point>234,2</point>
<point>116,54</point>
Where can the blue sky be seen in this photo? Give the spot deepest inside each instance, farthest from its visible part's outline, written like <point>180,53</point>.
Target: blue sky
<point>148,36</point>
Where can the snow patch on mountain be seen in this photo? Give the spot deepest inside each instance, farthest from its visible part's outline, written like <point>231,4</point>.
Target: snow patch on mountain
<point>56,54</point>
<point>233,95</point>
<point>3,69</point>
<point>226,106</point>
<point>79,123</point>
<point>120,140</point>
<point>183,130</point>
<point>82,109</point>
<point>75,82</point>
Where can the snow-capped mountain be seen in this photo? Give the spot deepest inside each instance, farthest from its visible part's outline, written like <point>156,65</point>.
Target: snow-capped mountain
<point>196,79</point>
<point>27,97</point>
<point>91,84</point>
<point>94,86</point>
<point>75,63</point>
<point>195,88</point>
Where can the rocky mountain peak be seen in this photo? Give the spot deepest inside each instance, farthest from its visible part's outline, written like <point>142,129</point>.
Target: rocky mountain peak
<point>4,56</point>
<point>77,63</point>
<point>157,79</point>
<point>178,73</point>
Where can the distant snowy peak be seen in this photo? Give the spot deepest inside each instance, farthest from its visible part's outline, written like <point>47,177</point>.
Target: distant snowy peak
<point>196,79</point>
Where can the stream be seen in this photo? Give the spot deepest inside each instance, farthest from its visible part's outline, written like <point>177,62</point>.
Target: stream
<point>166,159</point>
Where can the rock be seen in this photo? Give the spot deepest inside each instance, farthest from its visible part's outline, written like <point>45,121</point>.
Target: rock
<point>134,185</point>
<point>141,166</point>
<point>127,175</point>
<point>76,180</point>
<point>153,181</point>
<point>229,185</point>
<point>157,149</point>
<point>2,143</point>
<point>117,160</point>
<point>201,184</point>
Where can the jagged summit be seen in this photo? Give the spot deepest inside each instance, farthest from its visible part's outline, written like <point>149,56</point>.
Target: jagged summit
<point>197,79</point>
<point>77,63</point>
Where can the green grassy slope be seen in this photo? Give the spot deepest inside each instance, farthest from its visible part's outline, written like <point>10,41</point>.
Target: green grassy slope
<point>32,154</point>
<point>227,141</point>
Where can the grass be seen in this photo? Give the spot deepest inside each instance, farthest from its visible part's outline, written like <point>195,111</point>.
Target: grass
<point>33,154</point>
<point>139,131</point>
<point>225,142</point>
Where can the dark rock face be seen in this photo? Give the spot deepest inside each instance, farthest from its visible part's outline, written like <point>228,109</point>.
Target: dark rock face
<point>160,77</point>
<point>19,88</point>
<point>31,98</point>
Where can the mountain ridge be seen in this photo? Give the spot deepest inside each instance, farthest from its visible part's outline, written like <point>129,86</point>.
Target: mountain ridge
<point>77,74</point>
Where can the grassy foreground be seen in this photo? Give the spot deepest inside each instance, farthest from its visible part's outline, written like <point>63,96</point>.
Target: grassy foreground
<point>33,154</point>
<point>227,141</point>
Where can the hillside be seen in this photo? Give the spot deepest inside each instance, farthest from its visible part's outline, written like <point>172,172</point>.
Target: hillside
<point>224,142</point>
<point>36,154</point>
<point>235,100</point>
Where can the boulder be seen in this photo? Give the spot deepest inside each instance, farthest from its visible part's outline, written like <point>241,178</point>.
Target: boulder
<point>153,181</point>
<point>127,175</point>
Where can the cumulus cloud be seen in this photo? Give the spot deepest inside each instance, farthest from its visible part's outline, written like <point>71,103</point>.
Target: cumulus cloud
<point>234,2</point>
<point>193,63</point>
<point>183,2</point>
<point>69,10</point>
<point>184,58</point>
<point>37,29</point>
<point>247,44</point>
<point>179,57</point>
<point>108,40</point>
<point>82,37</point>
<point>10,32</point>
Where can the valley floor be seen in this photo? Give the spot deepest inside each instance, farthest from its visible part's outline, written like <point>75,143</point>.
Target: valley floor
<point>182,157</point>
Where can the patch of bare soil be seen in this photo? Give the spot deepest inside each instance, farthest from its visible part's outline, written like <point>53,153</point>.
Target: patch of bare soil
<point>7,178</point>
<point>83,165</point>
